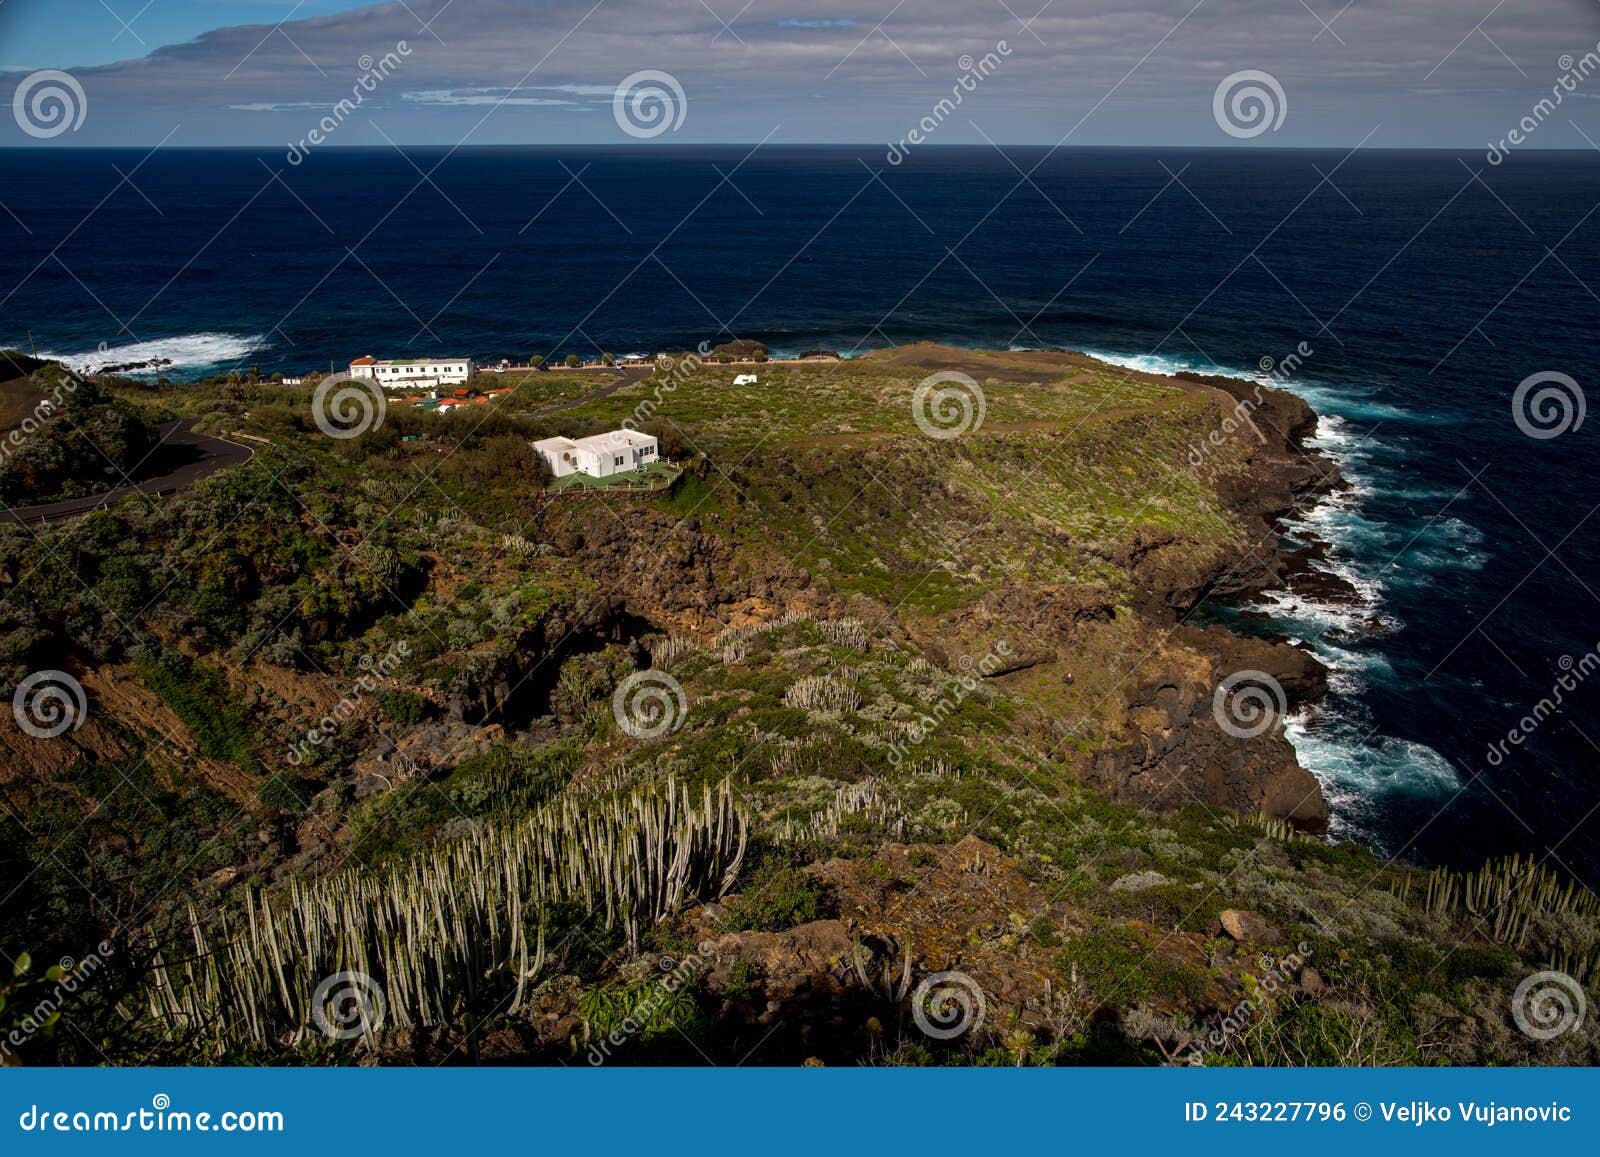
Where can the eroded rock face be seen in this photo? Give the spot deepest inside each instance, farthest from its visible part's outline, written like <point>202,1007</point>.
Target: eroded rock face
<point>1188,742</point>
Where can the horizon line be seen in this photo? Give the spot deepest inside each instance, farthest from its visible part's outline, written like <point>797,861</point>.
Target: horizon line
<point>668,146</point>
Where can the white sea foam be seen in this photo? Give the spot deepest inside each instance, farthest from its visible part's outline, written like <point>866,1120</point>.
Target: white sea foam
<point>1356,767</point>
<point>195,351</point>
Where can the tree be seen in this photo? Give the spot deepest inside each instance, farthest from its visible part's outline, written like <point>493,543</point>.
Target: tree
<point>574,361</point>
<point>608,359</point>
<point>535,361</point>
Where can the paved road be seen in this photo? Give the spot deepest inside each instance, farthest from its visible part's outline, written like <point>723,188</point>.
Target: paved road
<point>214,454</point>
<point>626,376</point>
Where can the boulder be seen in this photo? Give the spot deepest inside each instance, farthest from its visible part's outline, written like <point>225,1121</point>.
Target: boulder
<point>1242,924</point>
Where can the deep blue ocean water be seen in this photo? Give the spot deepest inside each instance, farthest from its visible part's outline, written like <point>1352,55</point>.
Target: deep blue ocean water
<point>1426,287</point>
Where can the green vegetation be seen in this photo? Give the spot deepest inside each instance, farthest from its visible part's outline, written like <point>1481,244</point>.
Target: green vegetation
<point>74,439</point>
<point>478,832</point>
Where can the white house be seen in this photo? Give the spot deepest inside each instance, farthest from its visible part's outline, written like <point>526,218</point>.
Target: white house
<point>411,373</point>
<point>600,455</point>
<point>744,379</point>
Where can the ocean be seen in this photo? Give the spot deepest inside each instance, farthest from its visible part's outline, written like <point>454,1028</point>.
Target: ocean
<point>1415,291</point>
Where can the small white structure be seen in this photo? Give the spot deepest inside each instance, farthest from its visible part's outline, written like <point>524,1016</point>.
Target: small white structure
<point>294,380</point>
<point>600,455</point>
<point>412,373</point>
<point>744,380</point>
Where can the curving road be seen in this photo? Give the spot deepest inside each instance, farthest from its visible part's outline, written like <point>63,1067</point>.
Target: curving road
<point>214,454</point>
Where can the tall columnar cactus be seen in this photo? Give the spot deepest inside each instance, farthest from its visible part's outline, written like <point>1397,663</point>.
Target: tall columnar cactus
<point>457,930</point>
<point>1504,897</point>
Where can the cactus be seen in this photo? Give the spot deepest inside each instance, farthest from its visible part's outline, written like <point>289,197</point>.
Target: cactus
<point>1504,898</point>
<point>458,929</point>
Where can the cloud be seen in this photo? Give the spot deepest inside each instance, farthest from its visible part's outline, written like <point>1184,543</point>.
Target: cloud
<point>482,96</point>
<point>1082,72</point>
<point>280,106</point>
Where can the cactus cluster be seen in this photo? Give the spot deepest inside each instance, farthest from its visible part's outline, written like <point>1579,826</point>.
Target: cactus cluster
<point>850,633</point>
<point>1504,898</point>
<point>823,693</point>
<point>458,929</point>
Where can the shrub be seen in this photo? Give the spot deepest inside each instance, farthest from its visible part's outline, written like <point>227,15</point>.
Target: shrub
<point>404,707</point>
<point>777,898</point>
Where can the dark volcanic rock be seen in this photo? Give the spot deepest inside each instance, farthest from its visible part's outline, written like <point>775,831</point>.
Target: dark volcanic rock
<point>1179,751</point>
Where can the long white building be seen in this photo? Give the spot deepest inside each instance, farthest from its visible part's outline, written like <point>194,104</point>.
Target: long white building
<point>600,455</point>
<point>412,373</point>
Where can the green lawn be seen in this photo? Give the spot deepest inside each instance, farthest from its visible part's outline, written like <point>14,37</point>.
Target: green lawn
<point>657,475</point>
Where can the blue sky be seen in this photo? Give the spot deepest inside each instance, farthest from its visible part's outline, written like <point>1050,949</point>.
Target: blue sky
<point>1395,73</point>
<point>74,33</point>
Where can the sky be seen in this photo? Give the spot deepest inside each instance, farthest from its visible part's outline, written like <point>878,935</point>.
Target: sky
<point>1330,73</point>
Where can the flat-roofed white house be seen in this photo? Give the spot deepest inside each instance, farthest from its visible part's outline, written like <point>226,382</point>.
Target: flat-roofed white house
<point>411,373</point>
<point>600,455</point>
